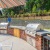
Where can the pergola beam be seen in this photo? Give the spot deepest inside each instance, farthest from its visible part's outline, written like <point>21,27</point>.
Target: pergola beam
<point>12,3</point>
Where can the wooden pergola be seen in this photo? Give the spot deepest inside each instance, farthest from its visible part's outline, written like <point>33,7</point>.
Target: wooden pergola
<point>11,3</point>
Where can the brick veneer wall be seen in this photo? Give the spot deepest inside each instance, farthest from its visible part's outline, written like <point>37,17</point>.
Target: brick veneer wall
<point>39,42</point>
<point>23,35</point>
<point>10,31</point>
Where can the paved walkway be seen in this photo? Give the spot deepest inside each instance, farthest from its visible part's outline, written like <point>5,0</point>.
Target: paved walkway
<point>8,42</point>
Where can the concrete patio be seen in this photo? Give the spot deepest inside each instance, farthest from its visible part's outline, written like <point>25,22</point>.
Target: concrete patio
<point>8,42</point>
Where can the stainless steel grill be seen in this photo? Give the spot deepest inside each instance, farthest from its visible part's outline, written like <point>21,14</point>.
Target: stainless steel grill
<point>33,27</point>
<point>3,27</point>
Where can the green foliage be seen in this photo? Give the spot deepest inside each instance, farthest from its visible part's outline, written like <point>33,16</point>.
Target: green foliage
<point>42,12</point>
<point>33,14</point>
<point>12,13</point>
<point>29,5</point>
<point>34,5</point>
<point>15,15</point>
<point>48,13</point>
<point>13,10</point>
<point>45,12</point>
<point>22,15</point>
<point>34,9</point>
<point>6,12</point>
<point>27,15</point>
<point>39,12</point>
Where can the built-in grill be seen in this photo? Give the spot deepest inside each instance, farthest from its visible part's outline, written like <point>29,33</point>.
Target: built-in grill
<point>31,30</point>
<point>3,27</point>
<point>33,27</point>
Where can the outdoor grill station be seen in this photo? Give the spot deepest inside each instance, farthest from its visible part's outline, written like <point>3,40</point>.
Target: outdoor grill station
<point>4,27</point>
<point>37,36</point>
<point>32,33</point>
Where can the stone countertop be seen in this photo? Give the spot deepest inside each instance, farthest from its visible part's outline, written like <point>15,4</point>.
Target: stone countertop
<point>47,37</point>
<point>42,32</point>
<point>19,27</point>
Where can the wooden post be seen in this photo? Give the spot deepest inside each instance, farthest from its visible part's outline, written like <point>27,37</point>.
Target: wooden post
<point>43,43</point>
<point>47,44</point>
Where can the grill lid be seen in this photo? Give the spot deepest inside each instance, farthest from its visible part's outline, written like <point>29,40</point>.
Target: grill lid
<point>3,25</point>
<point>34,26</point>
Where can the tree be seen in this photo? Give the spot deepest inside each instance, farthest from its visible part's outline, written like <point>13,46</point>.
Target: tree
<point>39,4</point>
<point>29,4</point>
<point>13,10</point>
<point>34,9</point>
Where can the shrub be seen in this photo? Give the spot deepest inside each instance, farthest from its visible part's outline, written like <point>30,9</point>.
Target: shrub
<point>44,12</point>
<point>33,14</point>
<point>22,15</point>
<point>2,16</point>
<point>48,13</point>
<point>15,15</point>
<point>39,12</point>
<point>34,9</point>
<point>12,13</point>
<point>19,15</point>
<point>27,15</point>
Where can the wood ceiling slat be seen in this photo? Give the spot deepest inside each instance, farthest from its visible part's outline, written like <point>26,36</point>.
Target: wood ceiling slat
<point>3,4</point>
<point>7,3</point>
<point>18,2</point>
<point>11,3</point>
<point>22,1</point>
